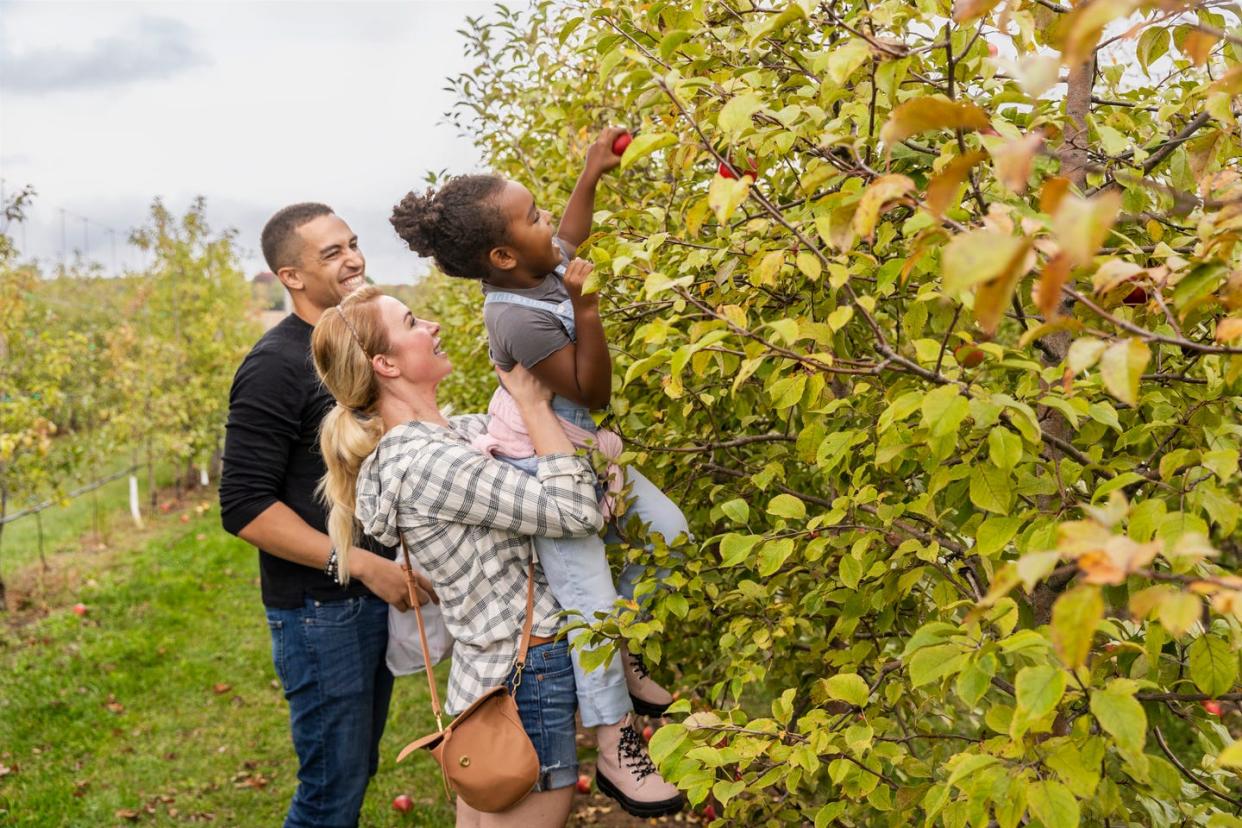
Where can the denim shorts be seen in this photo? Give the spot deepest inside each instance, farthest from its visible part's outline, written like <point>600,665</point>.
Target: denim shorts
<point>547,700</point>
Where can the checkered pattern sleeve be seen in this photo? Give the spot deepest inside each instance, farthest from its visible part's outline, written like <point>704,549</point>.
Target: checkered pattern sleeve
<point>453,483</point>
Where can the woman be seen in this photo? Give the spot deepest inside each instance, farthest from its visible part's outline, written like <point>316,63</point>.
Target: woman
<point>397,464</point>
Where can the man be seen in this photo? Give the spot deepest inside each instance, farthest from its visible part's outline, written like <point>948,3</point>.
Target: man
<point>328,641</point>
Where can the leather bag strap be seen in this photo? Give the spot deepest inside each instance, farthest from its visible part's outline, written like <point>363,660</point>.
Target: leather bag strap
<point>529,623</point>
<point>411,587</point>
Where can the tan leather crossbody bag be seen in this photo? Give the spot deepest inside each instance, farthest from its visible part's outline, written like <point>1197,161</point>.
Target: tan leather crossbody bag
<point>484,754</point>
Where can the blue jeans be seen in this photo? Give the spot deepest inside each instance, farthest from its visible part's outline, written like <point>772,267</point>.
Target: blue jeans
<point>329,656</point>
<point>581,580</point>
<point>545,701</point>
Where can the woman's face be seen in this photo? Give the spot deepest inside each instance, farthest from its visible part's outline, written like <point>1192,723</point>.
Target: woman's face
<point>413,344</point>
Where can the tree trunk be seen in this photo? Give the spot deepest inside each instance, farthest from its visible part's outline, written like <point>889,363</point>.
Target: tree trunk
<point>4,510</point>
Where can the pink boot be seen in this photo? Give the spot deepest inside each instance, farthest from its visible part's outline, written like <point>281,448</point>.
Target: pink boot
<point>649,698</point>
<point>624,771</point>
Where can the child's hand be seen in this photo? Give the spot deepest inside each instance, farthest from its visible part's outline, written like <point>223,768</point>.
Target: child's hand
<point>599,156</point>
<point>576,273</point>
<point>523,386</point>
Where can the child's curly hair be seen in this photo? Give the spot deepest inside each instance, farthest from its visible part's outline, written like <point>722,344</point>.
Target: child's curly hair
<point>457,226</point>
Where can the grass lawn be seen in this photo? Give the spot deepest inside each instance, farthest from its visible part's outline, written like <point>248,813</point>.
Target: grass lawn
<point>160,706</point>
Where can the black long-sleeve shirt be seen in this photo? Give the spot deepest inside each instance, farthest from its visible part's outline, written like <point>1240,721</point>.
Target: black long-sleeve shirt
<point>271,453</point>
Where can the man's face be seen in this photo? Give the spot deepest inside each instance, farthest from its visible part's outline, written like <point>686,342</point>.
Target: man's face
<point>330,265</point>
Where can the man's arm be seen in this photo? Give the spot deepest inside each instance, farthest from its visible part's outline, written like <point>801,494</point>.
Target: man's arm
<point>279,531</point>
<point>575,224</point>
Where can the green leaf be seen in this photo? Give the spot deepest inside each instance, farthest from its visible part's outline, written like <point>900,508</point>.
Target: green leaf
<point>734,115</point>
<point>1213,665</point>
<point>773,554</point>
<point>1121,367</point>
<point>645,144</point>
<point>665,741</point>
<point>1038,689</point>
<point>1231,756</point>
<point>966,764</point>
<point>994,533</point>
<point>1074,617</point>
<point>726,790</point>
<point>975,679</point>
<point>932,663</point>
<point>809,264</point>
<point>944,408</point>
<point>1084,352</point>
<point>787,506</point>
<point>847,58</point>
<point>990,489</point>
<point>736,510</point>
<point>1122,717</point>
<point>1004,448</point>
<point>1053,804</point>
<point>735,548</point>
<point>847,687</point>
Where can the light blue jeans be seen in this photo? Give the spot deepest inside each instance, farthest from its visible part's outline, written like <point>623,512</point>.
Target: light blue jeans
<point>581,580</point>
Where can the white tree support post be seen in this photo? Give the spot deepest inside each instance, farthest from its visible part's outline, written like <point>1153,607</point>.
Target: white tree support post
<point>203,478</point>
<point>134,510</point>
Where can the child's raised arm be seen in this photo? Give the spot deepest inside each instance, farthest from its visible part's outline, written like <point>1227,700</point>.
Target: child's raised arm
<point>582,370</point>
<point>575,224</point>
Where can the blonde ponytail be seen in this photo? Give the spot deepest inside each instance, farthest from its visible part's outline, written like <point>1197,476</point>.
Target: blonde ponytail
<point>345,441</point>
<point>343,343</point>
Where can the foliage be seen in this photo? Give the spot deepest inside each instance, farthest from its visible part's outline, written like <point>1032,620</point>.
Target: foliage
<point>945,370</point>
<point>92,366</point>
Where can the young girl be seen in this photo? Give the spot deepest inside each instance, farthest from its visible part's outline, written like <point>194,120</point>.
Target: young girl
<point>489,228</point>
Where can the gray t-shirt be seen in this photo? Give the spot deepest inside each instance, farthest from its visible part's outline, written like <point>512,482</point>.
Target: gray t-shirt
<point>517,333</point>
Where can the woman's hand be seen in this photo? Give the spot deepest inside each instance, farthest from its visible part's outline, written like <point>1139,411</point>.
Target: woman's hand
<point>524,387</point>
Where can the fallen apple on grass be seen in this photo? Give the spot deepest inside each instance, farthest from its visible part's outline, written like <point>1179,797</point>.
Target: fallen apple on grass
<point>80,609</point>
<point>584,784</point>
<point>403,804</point>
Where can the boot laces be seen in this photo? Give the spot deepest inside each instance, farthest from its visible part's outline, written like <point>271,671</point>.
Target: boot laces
<point>633,753</point>
<point>640,666</point>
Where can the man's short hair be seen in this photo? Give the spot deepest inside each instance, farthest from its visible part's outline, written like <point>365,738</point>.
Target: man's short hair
<point>279,239</point>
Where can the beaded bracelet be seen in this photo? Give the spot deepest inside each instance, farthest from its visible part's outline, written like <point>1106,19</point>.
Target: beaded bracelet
<point>332,567</point>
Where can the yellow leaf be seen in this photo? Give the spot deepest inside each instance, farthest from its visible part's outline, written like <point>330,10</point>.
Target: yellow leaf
<point>880,192</point>
<point>1228,329</point>
<point>1015,159</point>
<point>1036,74</point>
<point>1052,192</point>
<point>934,112</point>
<point>1079,31</point>
<point>1198,45</point>
<point>1178,612</point>
<point>943,187</point>
<point>992,297</point>
<point>1082,224</point>
<point>1121,368</point>
<point>965,11</point>
<point>1231,757</point>
<point>725,194</point>
<point>1051,279</point>
<point>979,256</point>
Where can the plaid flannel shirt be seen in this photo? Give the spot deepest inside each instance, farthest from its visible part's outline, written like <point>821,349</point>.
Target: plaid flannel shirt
<point>467,519</point>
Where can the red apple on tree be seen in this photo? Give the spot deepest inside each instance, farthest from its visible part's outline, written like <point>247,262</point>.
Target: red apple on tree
<point>1138,296</point>
<point>967,356</point>
<point>403,804</point>
<point>726,169</point>
<point>621,142</point>
<point>1212,707</point>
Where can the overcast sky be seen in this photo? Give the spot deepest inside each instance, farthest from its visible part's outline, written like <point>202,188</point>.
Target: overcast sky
<point>254,105</point>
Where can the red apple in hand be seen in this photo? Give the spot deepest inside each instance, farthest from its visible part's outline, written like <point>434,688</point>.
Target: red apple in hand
<point>647,733</point>
<point>584,784</point>
<point>403,804</point>
<point>79,609</point>
<point>621,142</point>
<point>1212,707</point>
